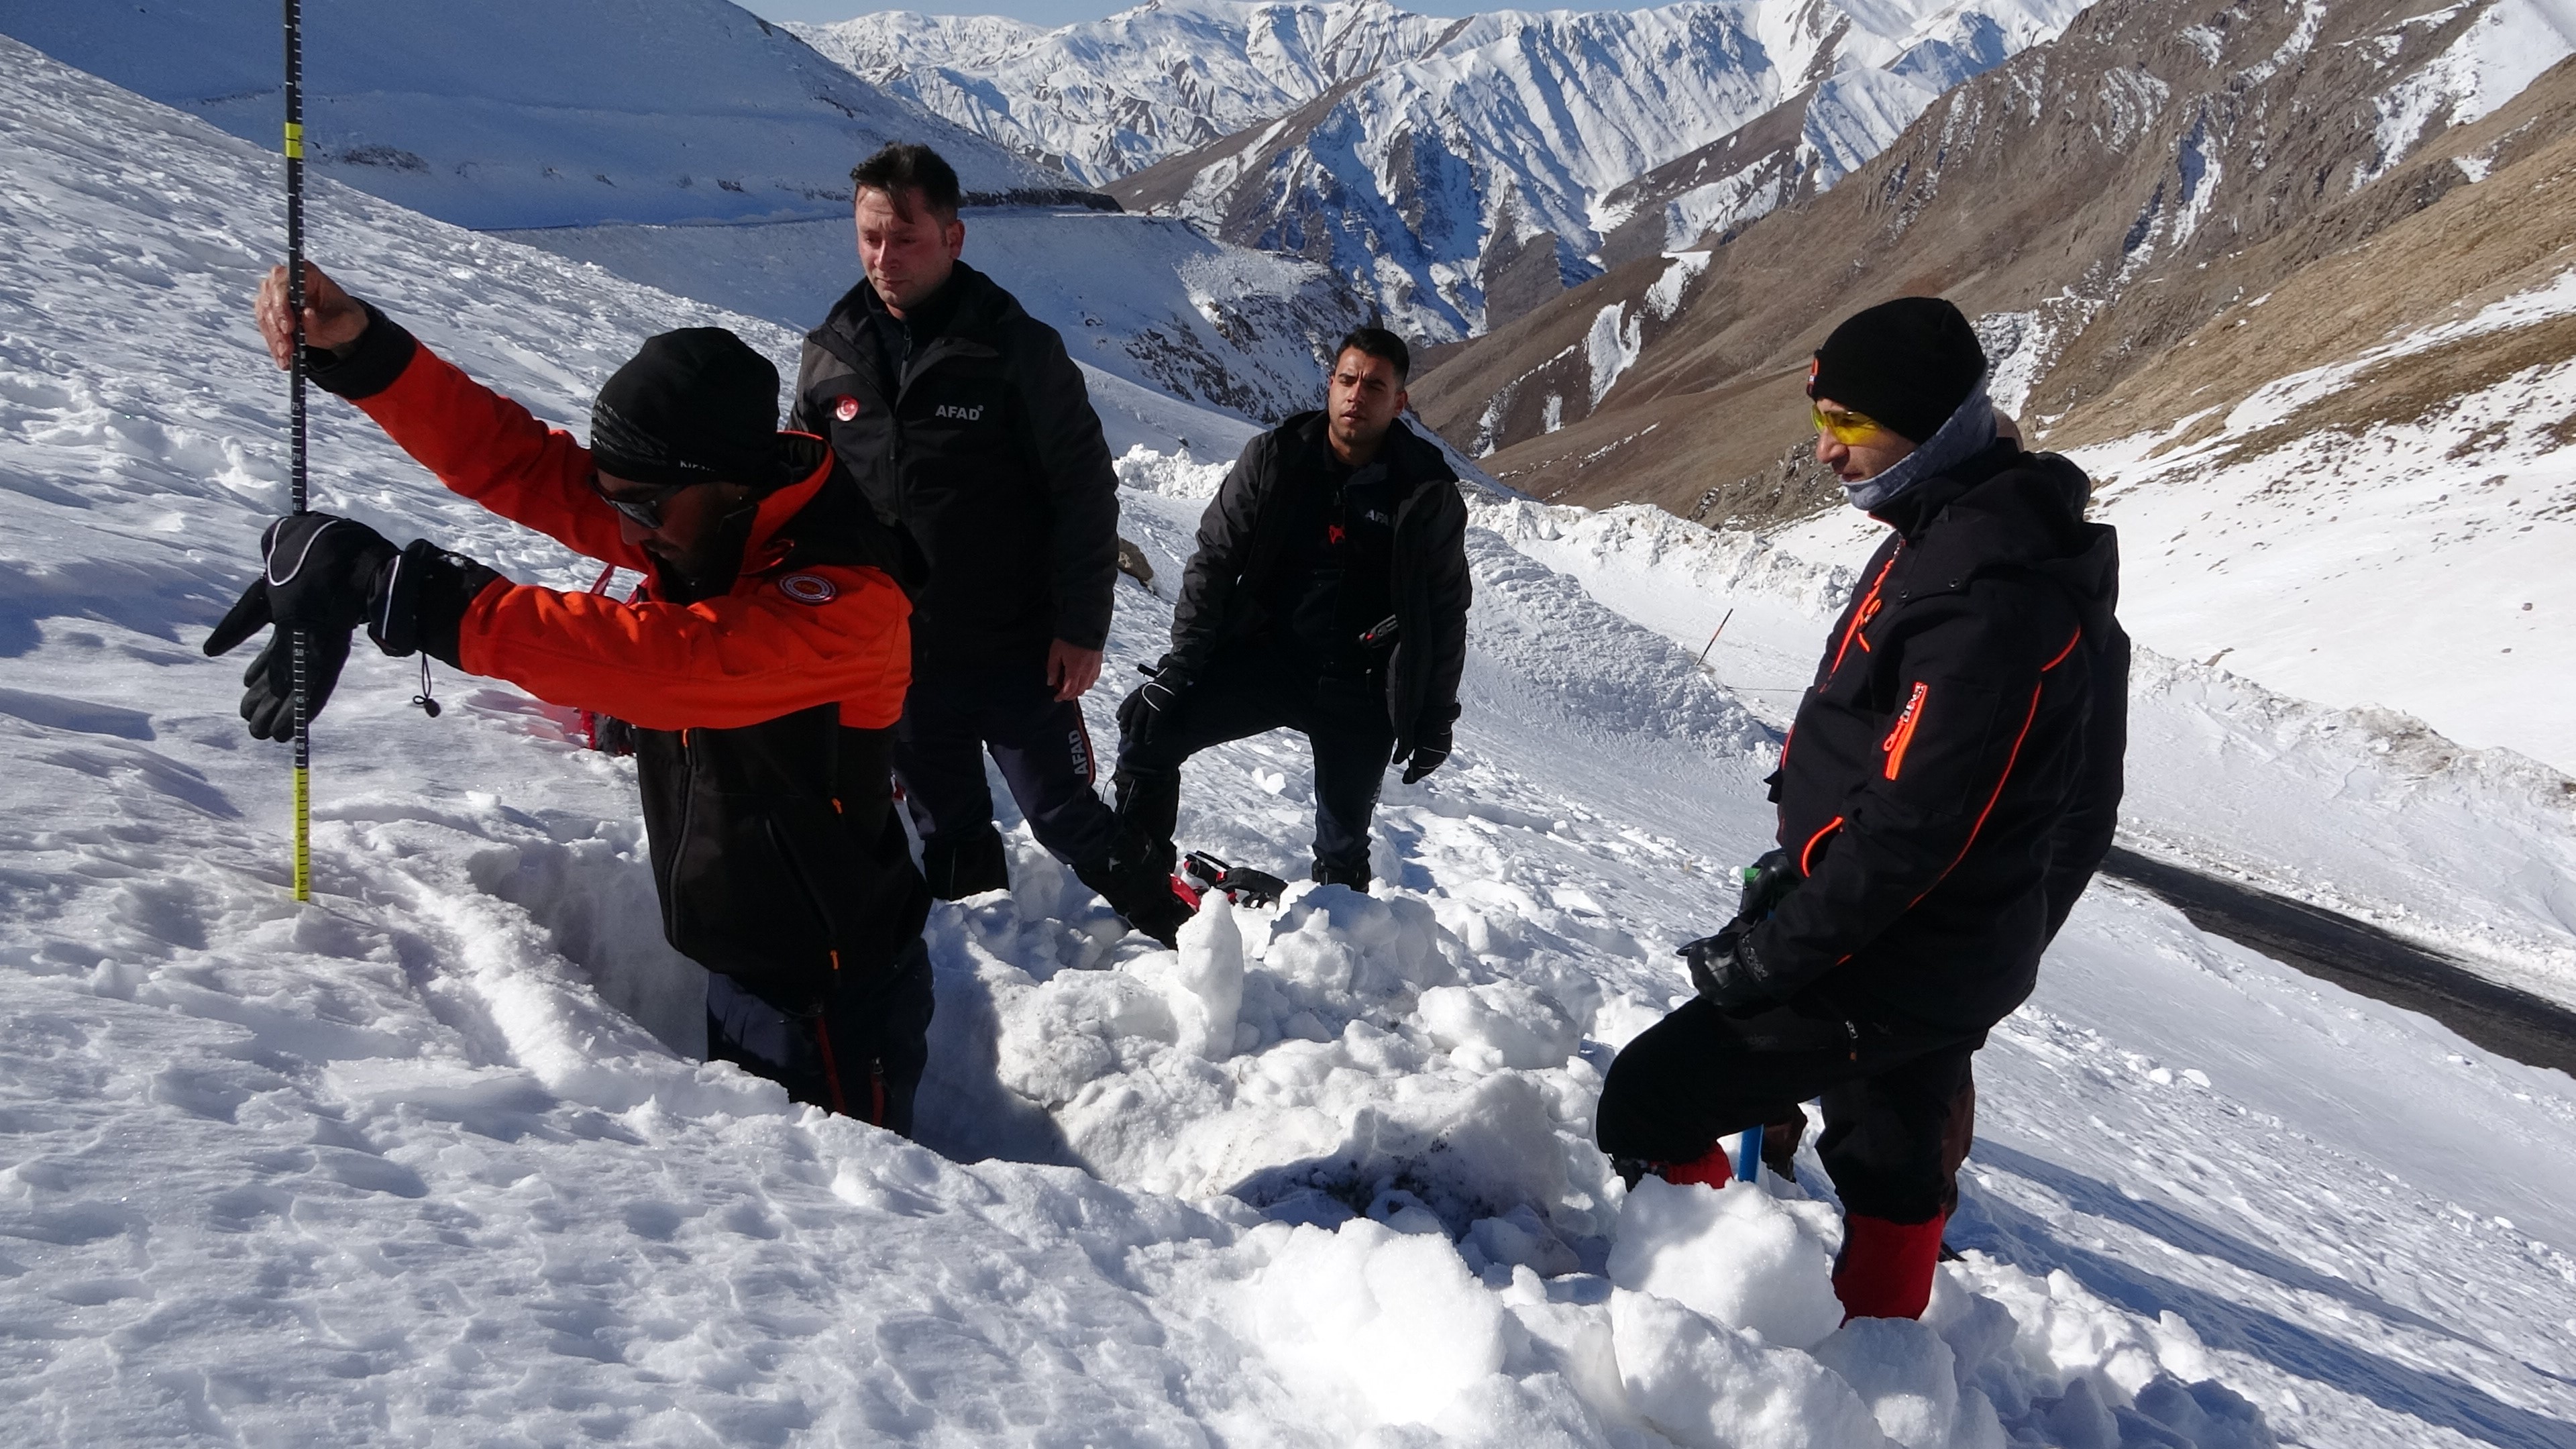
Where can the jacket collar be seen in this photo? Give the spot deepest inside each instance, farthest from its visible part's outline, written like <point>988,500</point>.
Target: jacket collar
<point>765,548</point>
<point>1408,459</point>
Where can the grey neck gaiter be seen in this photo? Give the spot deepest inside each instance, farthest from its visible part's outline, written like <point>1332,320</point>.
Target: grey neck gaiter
<point>1968,432</point>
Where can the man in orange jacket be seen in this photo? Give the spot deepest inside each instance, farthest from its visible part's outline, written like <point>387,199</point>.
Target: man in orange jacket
<point>763,663</point>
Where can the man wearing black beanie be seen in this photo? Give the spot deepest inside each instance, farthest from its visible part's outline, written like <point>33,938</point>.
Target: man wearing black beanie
<point>762,663</point>
<point>1948,787</point>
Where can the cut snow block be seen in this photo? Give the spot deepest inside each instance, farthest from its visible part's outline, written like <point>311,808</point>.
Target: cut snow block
<point>1904,1372</point>
<point>1708,1386</point>
<point>1388,1322</point>
<point>1205,985</point>
<point>1735,1253</point>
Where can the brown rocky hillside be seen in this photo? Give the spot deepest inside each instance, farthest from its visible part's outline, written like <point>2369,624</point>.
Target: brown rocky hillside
<point>2099,203</point>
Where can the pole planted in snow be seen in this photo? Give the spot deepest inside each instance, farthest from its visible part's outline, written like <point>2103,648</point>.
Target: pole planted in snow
<point>301,639</point>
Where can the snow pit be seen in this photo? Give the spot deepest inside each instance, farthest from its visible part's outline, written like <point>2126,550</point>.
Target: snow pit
<point>1736,1254</point>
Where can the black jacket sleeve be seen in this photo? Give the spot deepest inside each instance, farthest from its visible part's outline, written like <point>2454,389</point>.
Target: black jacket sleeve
<point>2083,834</point>
<point>1450,589</point>
<point>1225,545</point>
<point>1082,488</point>
<point>808,363</point>
<point>1972,666</point>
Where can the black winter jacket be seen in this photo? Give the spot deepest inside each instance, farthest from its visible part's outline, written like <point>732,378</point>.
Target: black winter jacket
<point>1952,776</point>
<point>775,848</point>
<point>988,451</point>
<point>1244,545</point>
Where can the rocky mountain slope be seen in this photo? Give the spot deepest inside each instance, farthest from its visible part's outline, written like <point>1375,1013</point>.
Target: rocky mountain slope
<point>1458,172</point>
<point>2095,201</point>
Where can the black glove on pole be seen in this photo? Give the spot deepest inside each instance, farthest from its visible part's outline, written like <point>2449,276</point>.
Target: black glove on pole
<point>321,574</point>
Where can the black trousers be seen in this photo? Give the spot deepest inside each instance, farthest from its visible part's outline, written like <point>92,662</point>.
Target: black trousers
<point>1251,691</point>
<point>861,1055</point>
<point>1890,1094</point>
<point>953,714</point>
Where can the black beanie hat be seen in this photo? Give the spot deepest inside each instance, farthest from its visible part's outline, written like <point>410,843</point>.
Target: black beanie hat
<point>692,406</point>
<point>1907,364</point>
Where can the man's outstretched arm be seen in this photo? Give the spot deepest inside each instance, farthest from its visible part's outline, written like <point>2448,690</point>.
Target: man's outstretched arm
<point>479,443</point>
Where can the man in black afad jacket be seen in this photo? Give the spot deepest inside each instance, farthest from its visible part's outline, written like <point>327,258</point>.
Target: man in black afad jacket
<point>1328,595</point>
<point>1946,790</point>
<point>961,416</point>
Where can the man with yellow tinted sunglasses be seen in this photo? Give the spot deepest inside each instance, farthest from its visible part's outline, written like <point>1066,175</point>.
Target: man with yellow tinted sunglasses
<point>1946,791</point>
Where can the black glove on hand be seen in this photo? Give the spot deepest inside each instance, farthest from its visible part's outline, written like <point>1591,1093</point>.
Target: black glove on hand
<point>1767,882</point>
<point>1140,712</point>
<point>321,576</point>
<point>1430,751</point>
<point>1729,973</point>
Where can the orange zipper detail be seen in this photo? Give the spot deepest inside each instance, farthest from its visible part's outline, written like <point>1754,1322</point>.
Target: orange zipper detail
<point>1903,735</point>
<point>1861,616</point>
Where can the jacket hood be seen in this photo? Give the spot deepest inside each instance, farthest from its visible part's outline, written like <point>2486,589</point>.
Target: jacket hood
<point>2010,510</point>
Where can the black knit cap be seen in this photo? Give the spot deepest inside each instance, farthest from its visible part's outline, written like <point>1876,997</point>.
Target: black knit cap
<point>692,406</point>
<point>1908,364</point>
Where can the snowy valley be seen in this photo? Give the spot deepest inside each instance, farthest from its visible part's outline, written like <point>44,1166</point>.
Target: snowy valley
<point>432,1160</point>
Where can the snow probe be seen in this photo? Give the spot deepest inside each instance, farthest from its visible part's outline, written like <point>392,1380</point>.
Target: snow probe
<point>302,641</point>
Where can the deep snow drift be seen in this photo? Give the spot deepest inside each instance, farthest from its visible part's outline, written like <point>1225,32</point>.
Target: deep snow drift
<point>427,1161</point>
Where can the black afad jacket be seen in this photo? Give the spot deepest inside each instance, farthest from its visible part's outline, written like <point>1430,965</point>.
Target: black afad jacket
<point>1244,542</point>
<point>988,451</point>
<point>1951,778</point>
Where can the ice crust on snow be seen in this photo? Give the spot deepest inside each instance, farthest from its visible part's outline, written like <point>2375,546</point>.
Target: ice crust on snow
<point>432,1160</point>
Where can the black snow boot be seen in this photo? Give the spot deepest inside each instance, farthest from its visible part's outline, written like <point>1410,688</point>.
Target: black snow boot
<point>1356,877</point>
<point>1140,893</point>
<point>966,864</point>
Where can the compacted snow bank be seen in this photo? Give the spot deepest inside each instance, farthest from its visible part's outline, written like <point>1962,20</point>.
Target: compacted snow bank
<point>2364,811</point>
<point>431,1161</point>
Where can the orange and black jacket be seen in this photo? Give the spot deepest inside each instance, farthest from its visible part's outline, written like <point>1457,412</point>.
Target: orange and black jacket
<point>762,701</point>
<point>1951,779</point>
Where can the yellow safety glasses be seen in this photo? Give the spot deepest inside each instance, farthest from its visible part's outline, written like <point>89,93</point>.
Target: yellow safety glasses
<point>1845,428</point>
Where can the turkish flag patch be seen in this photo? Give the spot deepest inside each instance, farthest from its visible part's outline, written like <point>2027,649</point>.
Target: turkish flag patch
<point>845,407</point>
<point>809,588</point>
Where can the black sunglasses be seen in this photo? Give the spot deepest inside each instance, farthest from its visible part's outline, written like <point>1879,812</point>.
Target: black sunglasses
<point>644,508</point>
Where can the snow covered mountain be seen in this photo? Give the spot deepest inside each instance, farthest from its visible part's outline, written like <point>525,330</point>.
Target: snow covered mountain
<point>2297,479</point>
<point>1456,171</point>
<point>1104,98</point>
<point>558,113</point>
<point>1466,185</point>
<point>429,1161</point>
<point>700,149</point>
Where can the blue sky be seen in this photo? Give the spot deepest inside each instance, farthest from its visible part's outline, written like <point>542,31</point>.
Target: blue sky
<point>1066,12</point>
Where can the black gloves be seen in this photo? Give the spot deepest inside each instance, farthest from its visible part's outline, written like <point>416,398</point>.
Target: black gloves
<point>1728,971</point>
<point>1140,712</point>
<point>1725,967</point>
<point>1767,882</point>
<point>326,575</point>
<point>1430,751</point>
<point>320,576</point>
